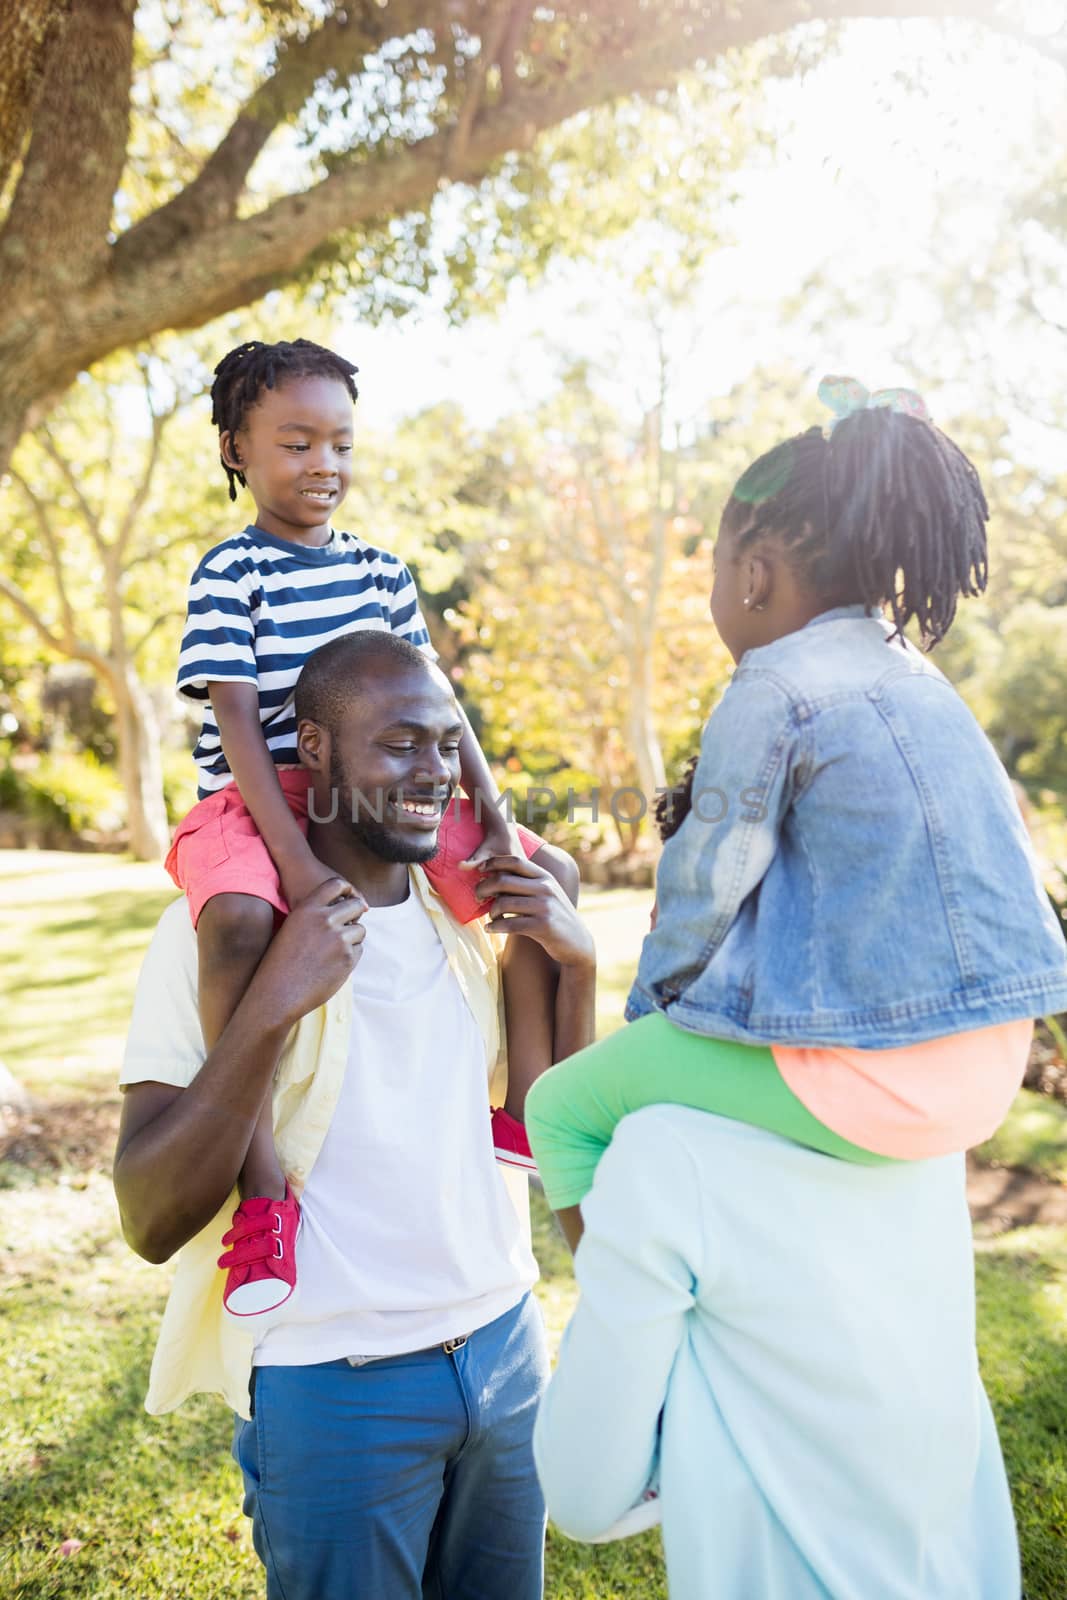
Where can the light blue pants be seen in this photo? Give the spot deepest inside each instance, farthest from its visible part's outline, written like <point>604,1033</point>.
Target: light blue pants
<point>410,1478</point>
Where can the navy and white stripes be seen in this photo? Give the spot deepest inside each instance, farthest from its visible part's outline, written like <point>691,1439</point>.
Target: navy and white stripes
<point>258,607</point>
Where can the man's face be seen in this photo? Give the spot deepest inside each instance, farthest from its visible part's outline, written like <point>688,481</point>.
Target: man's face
<point>394,763</point>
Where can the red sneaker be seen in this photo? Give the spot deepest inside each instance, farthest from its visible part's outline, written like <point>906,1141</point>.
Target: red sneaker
<point>510,1144</point>
<point>261,1261</point>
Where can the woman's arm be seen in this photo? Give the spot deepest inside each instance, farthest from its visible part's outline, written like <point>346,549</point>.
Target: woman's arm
<point>596,1435</point>
<point>236,708</point>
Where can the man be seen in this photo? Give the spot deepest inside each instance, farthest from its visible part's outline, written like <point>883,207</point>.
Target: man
<point>386,1450</point>
<point>789,1338</point>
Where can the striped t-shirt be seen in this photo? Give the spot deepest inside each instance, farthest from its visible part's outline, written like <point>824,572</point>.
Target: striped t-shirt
<point>259,606</point>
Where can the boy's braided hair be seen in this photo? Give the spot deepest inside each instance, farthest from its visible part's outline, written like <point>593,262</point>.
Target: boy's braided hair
<point>243,374</point>
<point>887,510</point>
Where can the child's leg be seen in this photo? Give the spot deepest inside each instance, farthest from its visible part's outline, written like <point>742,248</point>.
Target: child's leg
<point>529,977</point>
<point>233,932</point>
<point>574,1109</point>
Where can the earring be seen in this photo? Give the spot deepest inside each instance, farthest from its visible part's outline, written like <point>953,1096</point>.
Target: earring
<point>747,600</point>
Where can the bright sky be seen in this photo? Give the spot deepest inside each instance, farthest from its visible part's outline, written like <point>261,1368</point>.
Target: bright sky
<point>861,173</point>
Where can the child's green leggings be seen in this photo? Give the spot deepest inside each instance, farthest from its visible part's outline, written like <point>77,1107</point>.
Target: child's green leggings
<point>574,1108</point>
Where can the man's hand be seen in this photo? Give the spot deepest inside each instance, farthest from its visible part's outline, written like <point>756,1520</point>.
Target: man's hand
<point>527,899</point>
<point>314,952</point>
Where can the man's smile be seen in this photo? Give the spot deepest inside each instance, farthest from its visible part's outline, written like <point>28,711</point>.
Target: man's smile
<point>425,809</point>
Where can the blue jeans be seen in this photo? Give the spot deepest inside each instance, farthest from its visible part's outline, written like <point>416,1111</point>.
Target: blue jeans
<point>410,1478</point>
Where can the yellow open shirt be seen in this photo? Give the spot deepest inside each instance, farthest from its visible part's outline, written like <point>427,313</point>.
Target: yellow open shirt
<point>200,1349</point>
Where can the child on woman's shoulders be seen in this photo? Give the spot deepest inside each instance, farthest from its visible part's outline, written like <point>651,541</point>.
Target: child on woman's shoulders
<point>851,940</point>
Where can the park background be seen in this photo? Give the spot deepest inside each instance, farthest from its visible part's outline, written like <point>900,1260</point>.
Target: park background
<point>590,260</point>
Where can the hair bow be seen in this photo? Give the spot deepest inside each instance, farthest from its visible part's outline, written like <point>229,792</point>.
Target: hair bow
<point>845,396</point>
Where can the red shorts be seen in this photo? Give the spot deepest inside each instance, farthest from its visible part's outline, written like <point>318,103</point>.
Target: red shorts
<point>217,850</point>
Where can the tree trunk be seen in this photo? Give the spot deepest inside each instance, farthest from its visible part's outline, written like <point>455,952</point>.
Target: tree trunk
<point>644,740</point>
<point>141,769</point>
<point>28,29</point>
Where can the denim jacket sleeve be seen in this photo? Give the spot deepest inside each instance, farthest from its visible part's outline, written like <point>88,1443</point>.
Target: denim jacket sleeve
<point>751,762</point>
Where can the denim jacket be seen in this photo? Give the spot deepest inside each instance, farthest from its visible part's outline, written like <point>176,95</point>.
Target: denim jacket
<point>854,869</point>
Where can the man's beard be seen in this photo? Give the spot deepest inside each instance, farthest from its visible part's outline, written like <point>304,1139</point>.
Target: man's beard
<point>376,836</point>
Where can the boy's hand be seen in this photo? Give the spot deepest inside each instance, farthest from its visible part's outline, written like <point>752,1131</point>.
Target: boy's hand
<point>301,878</point>
<point>501,839</point>
<point>527,899</point>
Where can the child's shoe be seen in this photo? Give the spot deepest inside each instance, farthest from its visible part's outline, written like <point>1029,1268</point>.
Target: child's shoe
<point>510,1144</point>
<point>261,1261</point>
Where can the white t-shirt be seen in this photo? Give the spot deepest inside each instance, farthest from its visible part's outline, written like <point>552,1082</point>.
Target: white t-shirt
<point>408,1233</point>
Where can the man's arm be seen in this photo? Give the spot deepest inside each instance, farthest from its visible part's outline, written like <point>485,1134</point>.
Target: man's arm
<point>596,1435</point>
<point>180,1150</point>
<point>528,900</point>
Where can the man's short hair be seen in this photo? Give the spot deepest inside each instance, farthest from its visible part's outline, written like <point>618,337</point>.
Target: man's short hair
<point>335,673</point>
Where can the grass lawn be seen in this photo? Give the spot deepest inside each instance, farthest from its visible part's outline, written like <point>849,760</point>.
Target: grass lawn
<point>154,1504</point>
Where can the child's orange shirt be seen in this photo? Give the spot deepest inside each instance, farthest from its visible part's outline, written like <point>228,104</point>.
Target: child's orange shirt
<point>918,1100</point>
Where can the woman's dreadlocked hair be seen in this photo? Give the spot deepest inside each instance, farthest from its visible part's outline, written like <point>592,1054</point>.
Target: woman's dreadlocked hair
<point>674,804</point>
<point>243,374</point>
<point>887,510</point>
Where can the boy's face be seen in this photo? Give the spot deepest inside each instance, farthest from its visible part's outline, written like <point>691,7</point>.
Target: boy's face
<point>295,450</point>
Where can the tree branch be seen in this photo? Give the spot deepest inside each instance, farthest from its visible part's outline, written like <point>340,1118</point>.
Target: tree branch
<point>580,557</point>
<point>497,21</point>
<point>158,622</point>
<point>89,516</point>
<point>55,555</point>
<point>223,267</point>
<point>57,226</point>
<point>160,550</point>
<point>47,337</point>
<point>76,649</point>
<point>521,12</point>
<point>139,497</point>
<point>339,47</point>
<point>658,540</point>
<point>608,532</point>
